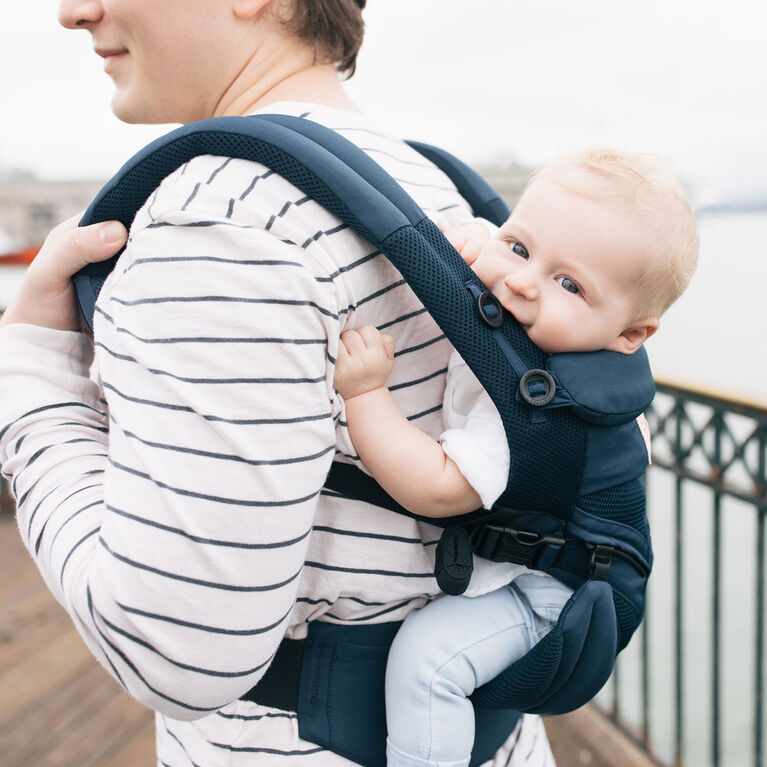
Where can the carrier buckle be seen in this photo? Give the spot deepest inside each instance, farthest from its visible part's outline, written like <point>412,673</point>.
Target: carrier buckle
<point>600,562</point>
<point>522,547</point>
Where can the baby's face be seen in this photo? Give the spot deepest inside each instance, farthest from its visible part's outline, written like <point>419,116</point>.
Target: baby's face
<point>565,266</point>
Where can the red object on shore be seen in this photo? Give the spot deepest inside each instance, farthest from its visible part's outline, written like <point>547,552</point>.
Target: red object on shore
<point>22,257</point>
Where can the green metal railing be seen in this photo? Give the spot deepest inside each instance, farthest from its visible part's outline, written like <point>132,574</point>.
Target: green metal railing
<point>689,688</point>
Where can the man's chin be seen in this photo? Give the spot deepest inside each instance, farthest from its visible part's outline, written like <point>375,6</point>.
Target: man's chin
<point>138,111</point>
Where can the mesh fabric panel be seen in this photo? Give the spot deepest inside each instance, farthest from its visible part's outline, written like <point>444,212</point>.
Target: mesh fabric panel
<point>526,680</point>
<point>623,503</point>
<point>546,456</point>
<point>628,618</point>
<point>98,283</point>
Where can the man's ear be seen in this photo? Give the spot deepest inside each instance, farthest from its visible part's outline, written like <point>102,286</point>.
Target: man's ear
<point>633,337</point>
<point>246,9</point>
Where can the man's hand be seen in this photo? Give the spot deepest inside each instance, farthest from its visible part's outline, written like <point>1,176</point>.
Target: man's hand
<point>365,359</point>
<point>47,296</point>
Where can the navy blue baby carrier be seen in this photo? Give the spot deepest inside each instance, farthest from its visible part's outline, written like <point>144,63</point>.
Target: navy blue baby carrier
<point>574,504</point>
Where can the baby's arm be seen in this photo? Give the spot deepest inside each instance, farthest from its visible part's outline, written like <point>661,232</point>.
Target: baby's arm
<point>406,462</point>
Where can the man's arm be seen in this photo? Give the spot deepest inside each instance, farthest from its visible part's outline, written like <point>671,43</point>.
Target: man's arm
<point>177,542</point>
<point>406,462</point>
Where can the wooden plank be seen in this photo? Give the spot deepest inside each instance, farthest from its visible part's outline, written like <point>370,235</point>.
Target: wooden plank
<point>28,736</point>
<point>13,555</point>
<point>35,674</point>
<point>91,741</point>
<point>31,621</point>
<point>58,707</point>
<point>586,737</point>
<point>21,574</point>
<point>138,750</point>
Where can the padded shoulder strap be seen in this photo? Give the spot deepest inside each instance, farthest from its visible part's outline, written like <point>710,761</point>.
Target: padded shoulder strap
<point>343,179</point>
<point>287,151</point>
<point>482,198</point>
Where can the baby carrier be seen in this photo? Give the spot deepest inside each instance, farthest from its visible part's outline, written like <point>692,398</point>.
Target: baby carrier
<point>574,503</point>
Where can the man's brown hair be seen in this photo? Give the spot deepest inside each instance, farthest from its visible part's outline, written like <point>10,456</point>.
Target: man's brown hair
<point>334,27</point>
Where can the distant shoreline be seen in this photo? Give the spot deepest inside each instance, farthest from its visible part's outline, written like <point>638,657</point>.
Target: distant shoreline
<point>748,206</point>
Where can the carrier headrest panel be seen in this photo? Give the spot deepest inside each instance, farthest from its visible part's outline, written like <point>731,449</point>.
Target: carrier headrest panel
<point>607,388</point>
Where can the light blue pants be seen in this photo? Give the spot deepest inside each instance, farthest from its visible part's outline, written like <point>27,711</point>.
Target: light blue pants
<point>445,651</point>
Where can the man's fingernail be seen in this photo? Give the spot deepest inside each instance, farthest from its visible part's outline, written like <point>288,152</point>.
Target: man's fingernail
<point>111,232</point>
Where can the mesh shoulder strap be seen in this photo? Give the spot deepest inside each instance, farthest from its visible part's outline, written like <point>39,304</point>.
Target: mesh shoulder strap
<point>545,454</point>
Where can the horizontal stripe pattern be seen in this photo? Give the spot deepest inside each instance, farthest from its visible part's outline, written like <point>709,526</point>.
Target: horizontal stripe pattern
<point>173,500</point>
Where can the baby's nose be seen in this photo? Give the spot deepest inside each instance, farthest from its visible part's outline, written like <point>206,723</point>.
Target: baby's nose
<point>522,285</point>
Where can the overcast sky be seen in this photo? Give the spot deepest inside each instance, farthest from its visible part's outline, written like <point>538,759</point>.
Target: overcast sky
<point>488,79</point>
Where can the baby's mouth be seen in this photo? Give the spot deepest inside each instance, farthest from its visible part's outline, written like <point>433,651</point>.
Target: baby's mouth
<point>513,314</point>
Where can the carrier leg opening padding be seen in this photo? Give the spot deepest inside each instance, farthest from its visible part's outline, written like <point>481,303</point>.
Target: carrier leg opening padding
<point>568,666</point>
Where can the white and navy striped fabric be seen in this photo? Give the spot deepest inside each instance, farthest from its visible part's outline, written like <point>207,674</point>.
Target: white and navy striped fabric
<point>173,499</point>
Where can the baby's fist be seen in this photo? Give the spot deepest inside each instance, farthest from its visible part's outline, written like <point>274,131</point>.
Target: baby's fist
<point>468,240</point>
<point>365,359</point>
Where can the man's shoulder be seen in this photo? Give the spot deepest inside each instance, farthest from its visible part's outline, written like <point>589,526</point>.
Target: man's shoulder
<point>217,187</point>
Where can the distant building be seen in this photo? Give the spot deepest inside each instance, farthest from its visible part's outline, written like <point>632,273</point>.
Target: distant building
<point>7,243</point>
<point>30,208</point>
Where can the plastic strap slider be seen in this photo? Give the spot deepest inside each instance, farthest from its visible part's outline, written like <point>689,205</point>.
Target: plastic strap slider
<point>537,387</point>
<point>490,309</point>
<point>522,547</point>
<point>601,560</point>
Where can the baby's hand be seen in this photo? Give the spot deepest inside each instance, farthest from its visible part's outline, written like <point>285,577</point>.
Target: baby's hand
<point>365,359</point>
<point>468,240</point>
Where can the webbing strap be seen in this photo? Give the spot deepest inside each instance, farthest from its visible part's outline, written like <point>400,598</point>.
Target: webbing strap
<point>519,365</point>
<point>350,481</point>
<point>280,685</point>
<point>482,198</point>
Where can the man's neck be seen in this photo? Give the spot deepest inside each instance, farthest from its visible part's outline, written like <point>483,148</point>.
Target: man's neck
<point>269,79</point>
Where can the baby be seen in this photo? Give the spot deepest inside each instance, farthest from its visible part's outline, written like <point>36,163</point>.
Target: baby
<point>598,247</point>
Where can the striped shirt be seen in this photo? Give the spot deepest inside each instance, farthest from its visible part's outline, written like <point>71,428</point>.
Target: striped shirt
<point>173,498</point>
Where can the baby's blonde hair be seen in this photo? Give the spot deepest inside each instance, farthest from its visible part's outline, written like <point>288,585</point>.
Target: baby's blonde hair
<point>643,186</point>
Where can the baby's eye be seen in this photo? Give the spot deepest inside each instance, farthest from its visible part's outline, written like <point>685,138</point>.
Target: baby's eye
<point>568,284</point>
<point>520,249</point>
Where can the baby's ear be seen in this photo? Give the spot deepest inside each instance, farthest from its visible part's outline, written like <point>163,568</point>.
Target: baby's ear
<point>633,337</point>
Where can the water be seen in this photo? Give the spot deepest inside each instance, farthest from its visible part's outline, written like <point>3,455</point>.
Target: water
<point>712,339</point>
<point>714,336</point>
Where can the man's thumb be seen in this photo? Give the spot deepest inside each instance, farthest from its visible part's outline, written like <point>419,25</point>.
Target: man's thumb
<point>112,233</point>
<point>88,244</point>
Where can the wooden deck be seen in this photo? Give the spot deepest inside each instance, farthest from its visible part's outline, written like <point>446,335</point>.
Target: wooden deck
<point>59,708</point>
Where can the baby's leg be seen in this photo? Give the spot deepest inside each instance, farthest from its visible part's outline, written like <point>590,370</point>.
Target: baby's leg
<point>439,656</point>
